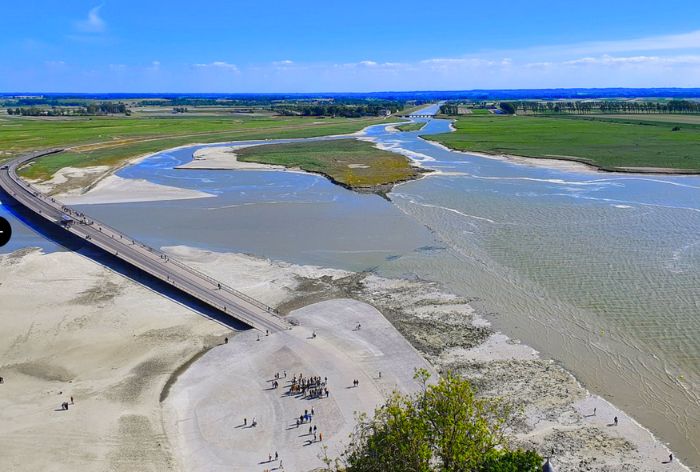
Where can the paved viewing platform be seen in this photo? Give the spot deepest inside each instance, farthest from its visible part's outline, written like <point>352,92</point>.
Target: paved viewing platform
<point>207,290</point>
<point>211,407</point>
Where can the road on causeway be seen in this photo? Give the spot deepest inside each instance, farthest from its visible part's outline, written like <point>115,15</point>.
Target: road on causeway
<point>213,293</point>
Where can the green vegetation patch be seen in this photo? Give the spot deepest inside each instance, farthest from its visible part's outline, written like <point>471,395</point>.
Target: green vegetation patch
<point>112,141</point>
<point>609,145</point>
<point>443,427</point>
<point>348,162</point>
<point>411,127</point>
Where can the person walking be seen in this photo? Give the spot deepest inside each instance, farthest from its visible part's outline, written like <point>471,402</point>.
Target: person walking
<point>615,420</point>
<point>71,401</point>
<point>245,421</point>
<point>320,437</point>
<point>277,456</point>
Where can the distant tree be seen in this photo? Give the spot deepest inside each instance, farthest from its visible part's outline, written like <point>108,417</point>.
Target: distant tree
<point>443,428</point>
<point>507,108</point>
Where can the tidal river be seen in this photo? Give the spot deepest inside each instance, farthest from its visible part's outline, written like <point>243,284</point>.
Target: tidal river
<point>599,271</point>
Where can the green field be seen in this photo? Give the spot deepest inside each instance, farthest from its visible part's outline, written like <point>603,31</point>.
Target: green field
<point>113,140</point>
<point>349,162</point>
<point>659,118</point>
<point>411,127</point>
<point>610,144</point>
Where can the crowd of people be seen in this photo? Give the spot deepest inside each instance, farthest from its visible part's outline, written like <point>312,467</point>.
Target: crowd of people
<point>311,387</point>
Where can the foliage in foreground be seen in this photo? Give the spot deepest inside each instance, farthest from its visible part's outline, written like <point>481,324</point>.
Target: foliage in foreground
<point>445,428</point>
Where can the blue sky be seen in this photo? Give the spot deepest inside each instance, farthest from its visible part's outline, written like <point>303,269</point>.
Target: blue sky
<point>334,46</point>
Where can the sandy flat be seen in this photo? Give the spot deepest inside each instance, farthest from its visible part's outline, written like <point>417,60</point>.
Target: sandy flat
<point>115,189</point>
<point>223,158</point>
<point>69,327</point>
<point>207,405</point>
<point>66,175</point>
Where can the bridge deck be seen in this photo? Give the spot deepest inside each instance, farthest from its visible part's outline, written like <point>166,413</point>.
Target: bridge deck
<point>186,279</point>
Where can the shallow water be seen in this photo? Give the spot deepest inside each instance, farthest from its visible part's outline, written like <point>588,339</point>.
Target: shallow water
<point>599,271</point>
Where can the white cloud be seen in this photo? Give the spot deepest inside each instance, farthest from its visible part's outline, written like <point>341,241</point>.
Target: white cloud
<point>221,65</point>
<point>608,60</point>
<point>286,62</point>
<point>93,23</point>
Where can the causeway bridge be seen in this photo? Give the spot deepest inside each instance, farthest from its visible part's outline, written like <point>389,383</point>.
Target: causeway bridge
<point>211,292</point>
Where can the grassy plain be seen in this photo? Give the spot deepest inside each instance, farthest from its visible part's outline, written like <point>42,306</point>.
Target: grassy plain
<point>411,127</point>
<point>348,162</point>
<point>658,118</point>
<point>610,144</point>
<point>113,140</point>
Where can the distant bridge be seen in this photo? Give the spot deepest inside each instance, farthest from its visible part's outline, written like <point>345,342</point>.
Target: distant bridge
<point>208,290</point>
<point>416,116</point>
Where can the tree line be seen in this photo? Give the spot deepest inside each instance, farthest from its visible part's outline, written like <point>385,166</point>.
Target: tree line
<point>93,109</point>
<point>332,109</point>
<point>584,107</point>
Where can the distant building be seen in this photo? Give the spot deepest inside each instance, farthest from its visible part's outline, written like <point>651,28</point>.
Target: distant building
<point>464,109</point>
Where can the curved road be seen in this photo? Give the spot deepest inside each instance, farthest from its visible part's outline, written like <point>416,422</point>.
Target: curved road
<point>186,279</point>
